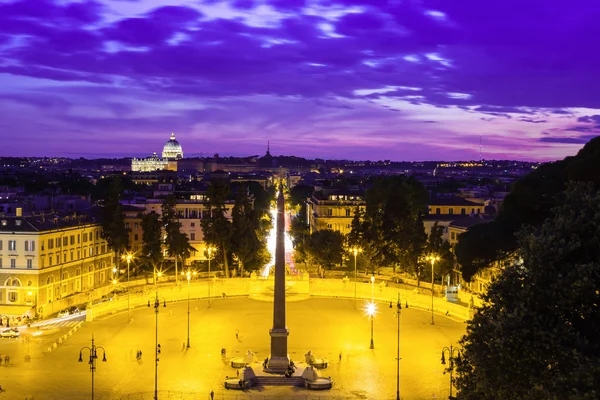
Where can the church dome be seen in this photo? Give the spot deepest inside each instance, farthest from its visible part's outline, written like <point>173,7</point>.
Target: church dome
<point>172,149</point>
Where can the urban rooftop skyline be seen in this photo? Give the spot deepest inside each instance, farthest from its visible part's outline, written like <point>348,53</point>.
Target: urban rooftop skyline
<point>348,79</point>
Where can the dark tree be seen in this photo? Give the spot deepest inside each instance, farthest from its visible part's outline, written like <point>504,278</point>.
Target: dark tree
<point>172,228</point>
<point>528,203</point>
<point>245,243</point>
<point>151,240</point>
<point>536,337</point>
<point>393,229</point>
<point>436,245</point>
<point>113,220</point>
<point>217,228</point>
<point>326,247</point>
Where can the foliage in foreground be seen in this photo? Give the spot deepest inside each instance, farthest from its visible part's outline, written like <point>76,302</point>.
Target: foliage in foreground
<point>536,337</point>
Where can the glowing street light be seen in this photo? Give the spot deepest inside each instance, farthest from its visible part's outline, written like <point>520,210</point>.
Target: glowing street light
<point>128,257</point>
<point>432,258</point>
<point>355,250</point>
<point>209,250</point>
<point>371,310</point>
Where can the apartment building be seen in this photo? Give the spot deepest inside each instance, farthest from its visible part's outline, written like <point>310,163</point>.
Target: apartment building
<point>45,258</point>
<point>334,209</point>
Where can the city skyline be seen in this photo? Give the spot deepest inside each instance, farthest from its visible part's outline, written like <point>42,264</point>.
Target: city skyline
<point>360,79</point>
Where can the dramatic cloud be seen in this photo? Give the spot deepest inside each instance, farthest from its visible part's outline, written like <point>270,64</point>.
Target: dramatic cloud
<point>349,78</point>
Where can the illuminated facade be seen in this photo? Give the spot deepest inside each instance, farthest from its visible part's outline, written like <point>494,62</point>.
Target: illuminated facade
<point>172,152</point>
<point>189,211</point>
<point>334,210</point>
<point>46,258</point>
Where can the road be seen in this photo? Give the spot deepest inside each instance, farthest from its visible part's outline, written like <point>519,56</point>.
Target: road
<point>325,326</point>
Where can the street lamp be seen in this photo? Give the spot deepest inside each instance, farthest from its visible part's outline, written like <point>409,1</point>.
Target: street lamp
<point>453,352</point>
<point>128,257</point>
<point>209,250</point>
<point>372,288</point>
<point>371,310</point>
<point>355,250</point>
<point>93,357</point>
<point>188,275</point>
<point>156,301</point>
<point>432,258</point>
<point>398,312</point>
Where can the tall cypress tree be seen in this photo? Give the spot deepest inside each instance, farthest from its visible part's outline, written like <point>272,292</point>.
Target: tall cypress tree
<point>113,221</point>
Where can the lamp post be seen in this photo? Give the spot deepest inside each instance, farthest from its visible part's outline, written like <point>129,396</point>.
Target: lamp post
<point>372,288</point>
<point>453,352</point>
<point>398,312</point>
<point>209,250</point>
<point>30,294</point>
<point>93,350</point>
<point>432,258</point>
<point>188,275</point>
<point>156,301</point>
<point>371,310</point>
<point>355,250</point>
<point>128,257</point>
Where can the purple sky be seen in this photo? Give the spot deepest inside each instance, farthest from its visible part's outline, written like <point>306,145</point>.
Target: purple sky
<point>357,79</point>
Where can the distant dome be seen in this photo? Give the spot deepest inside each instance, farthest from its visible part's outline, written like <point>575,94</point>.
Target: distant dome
<point>172,149</point>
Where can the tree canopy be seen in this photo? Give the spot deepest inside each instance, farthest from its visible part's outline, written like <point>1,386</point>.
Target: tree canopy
<point>113,221</point>
<point>326,247</point>
<point>528,203</point>
<point>392,231</point>
<point>536,336</point>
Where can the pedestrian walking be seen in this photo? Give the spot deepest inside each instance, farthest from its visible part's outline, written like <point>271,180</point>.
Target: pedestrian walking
<point>212,395</point>
<point>237,334</point>
<point>340,356</point>
<point>6,359</point>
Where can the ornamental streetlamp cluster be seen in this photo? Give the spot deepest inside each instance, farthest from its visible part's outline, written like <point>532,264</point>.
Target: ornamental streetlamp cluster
<point>453,353</point>
<point>398,313</point>
<point>156,304</point>
<point>93,356</point>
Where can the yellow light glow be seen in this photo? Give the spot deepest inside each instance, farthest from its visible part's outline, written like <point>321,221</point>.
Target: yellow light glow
<point>371,309</point>
<point>372,279</point>
<point>114,281</point>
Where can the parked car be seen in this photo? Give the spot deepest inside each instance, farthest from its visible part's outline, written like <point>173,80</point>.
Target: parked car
<point>74,310</point>
<point>10,333</point>
<point>63,313</point>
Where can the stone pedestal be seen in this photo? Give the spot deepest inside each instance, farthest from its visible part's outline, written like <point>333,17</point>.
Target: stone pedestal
<point>279,360</point>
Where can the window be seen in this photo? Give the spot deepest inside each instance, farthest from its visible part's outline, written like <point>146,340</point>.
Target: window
<point>13,263</point>
<point>192,236</point>
<point>453,235</point>
<point>451,211</point>
<point>50,244</point>
<point>12,245</point>
<point>71,255</point>
<point>136,225</point>
<point>463,211</point>
<point>97,234</point>
<point>57,242</point>
<point>29,245</point>
<point>103,249</point>
<point>29,263</point>
<point>72,239</point>
<point>193,224</point>
<point>0,263</point>
<point>0,244</point>
<point>78,239</point>
<point>126,225</point>
<point>49,261</point>
<point>42,244</point>
<point>348,212</point>
<point>65,241</point>
<point>91,251</point>
<point>58,258</point>
<point>12,297</point>
<point>438,211</point>
<point>135,237</point>
<point>329,212</point>
<point>328,226</point>
<point>84,252</point>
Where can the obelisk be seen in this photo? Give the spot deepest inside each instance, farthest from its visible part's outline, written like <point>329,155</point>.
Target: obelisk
<point>279,359</point>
